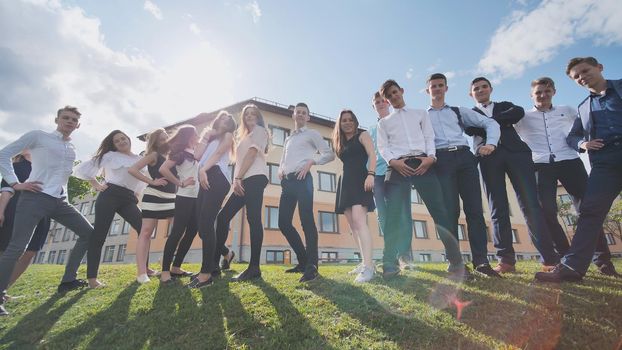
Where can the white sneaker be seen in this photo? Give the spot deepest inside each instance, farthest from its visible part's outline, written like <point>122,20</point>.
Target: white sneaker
<point>357,269</point>
<point>142,279</point>
<point>365,276</point>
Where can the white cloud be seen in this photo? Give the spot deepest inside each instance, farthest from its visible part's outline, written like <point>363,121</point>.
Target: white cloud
<point>409,73</point>
<point>194,28</point>
<point>255,11</point>
<point>153,9</point>
<point>531,38</point>
<point>449,75</point>
<point>53,55</point>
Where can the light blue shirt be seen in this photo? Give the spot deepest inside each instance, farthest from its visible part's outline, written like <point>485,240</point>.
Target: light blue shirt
<point>381,164</point>
<point>449,133</point>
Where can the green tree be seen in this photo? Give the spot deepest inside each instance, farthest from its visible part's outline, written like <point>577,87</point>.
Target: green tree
<point>78,189</point>
<point>612,224</point>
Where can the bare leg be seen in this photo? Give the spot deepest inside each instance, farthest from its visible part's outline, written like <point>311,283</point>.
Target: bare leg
<point>356,216</point>
<point>142,245</point>
<point>22,265</point>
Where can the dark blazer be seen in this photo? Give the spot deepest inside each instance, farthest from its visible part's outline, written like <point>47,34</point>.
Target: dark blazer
<point>506,114</point>
<point>582,127</point>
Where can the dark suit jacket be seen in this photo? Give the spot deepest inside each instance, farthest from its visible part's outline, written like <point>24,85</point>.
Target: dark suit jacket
<point>582,127</point>
<point>506,114</point>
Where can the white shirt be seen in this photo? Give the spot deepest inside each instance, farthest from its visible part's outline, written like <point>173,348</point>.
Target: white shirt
<point>257,139</point>
<point>222,163</point>
<point>52,160</point>
<point>188,169</point>
<point>405,132</point>
<point>304,144</point>
<point>114,166</point>
<point>545,133</point>
<point>487,109</point>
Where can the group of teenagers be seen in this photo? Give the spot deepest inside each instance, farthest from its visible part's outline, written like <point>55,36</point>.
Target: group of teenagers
<point>185,177</point>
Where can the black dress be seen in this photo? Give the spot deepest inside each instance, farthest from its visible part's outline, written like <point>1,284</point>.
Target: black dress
<point>351,186</point>
<point>158,201</point>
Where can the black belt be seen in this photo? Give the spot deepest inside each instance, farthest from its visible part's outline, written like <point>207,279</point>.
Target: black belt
<point>452,149</point>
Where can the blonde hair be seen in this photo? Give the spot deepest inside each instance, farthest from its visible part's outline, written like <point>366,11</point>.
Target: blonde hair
<point>243,129</point>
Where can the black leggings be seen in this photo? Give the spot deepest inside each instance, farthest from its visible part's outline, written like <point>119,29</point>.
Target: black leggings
<point>184,223</point>
<point>115,199</point>
<point>253,200</point>
<point>209,204</point>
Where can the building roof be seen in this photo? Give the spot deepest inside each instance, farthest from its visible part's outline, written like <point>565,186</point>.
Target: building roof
<point>262,104</point>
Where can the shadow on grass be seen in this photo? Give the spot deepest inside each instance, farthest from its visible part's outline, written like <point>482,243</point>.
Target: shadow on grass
<point>295,331</point>
<point>33,327</point>
<point>101,324</point>
<point>406,331</point>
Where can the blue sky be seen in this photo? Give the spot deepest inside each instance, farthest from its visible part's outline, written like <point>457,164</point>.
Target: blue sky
<point>136,65</point>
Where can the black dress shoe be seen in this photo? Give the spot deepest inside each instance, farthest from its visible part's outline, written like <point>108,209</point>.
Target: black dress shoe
<point>485,270</point>
<point>561,273</point>
<point>309,275</point>
<point>389,271</point>
<point>296,269</point>
<point>181,274</point>
<point>251,273</point>
<point>196,284</point>
<point>3,311</point>
<point>65,287</point>
<point>225,264</point>
<point>608,269</point>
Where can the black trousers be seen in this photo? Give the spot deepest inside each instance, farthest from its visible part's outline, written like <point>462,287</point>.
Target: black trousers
<point>572,175</point>
<point>253,200</point>
<point>115,199</point>
<point>184,224</point>
<point>519,167</point>
<point>209,203</point>
<point>458,175</point>
<point>603,187</point>
<point>299,192</point>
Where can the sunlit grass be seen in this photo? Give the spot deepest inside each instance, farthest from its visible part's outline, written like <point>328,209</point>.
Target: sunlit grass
<point>416,310</point>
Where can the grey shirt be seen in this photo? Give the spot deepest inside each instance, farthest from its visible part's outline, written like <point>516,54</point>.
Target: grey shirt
<point>448,132</point>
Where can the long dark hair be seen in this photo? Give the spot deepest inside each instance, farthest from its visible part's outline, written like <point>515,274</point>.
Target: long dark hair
<point>339,138</point>
<point>179,141</point>
<point>107,145</point>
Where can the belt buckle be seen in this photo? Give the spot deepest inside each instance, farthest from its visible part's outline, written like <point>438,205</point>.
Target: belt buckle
<point>452,148</point>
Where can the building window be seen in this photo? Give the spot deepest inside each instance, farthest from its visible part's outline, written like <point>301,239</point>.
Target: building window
<point>75,237</point>
<point>271,218</point>
<point>62,254</point>
<point>414,197</point>
<point>328,222</point>
<point>610,239</point>
<point>85,209</point>
<point>466,257</point>
<point>108,253</point>
<point>67,235</point>
<point>492,257</point>
<point>443,257</point>
<point>40,257</point>
<point>425,257</point>
<point>330,256</point>
<point>275,256</point>
<point>92,208</point>
<point>278,135</point>
<point>52,257</point>
<point>273,174</point>
<point>515,236</point>
<point>462,236</point>
<point>121,253</point>
<point>327,182</point>
<point>330,143</point>
<point>569,220</point>
<point>126,228</point>
<point>421,229</point>
<point>520,257</point>
<point>115,228</point>
<point>357,256</point>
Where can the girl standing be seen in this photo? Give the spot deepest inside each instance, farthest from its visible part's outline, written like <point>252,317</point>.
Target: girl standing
<point>216,146</point>
<point>158,200</point>
<point>118,194</point>
<point>354,196</point>
<point>181,157</point>
<point>250,180</point>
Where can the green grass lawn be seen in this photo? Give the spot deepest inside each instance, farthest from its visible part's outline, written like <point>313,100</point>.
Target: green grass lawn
<point>415,310</point>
